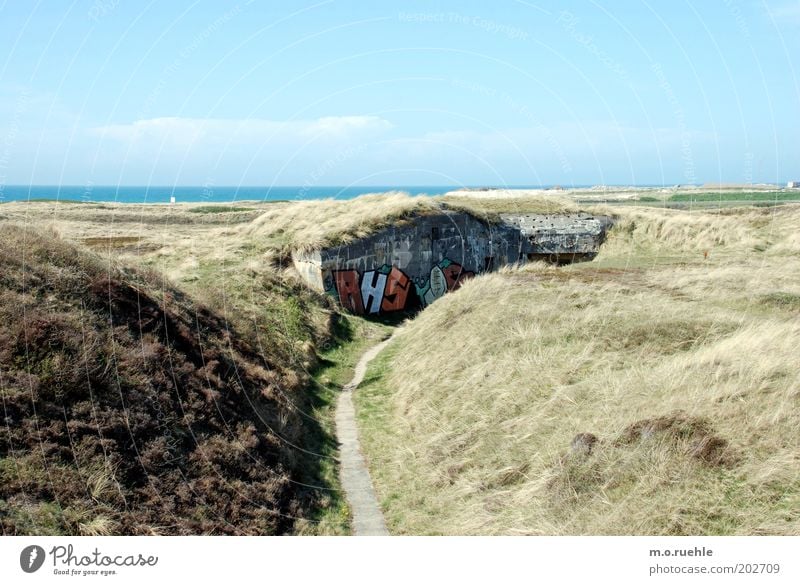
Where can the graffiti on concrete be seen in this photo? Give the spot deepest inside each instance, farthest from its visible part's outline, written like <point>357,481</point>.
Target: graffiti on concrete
<point>372,285</point>
<point>389,289</point>
<point>395,295</point>
<point>348,290</point>
<point>383,290</point>
<point>407,264</point>
<point>454,274</point>
<point>445,276</point>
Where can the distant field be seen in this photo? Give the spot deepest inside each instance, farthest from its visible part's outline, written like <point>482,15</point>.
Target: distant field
<point>218,209</point>
<point>738,196</point>
<point>703,200</point>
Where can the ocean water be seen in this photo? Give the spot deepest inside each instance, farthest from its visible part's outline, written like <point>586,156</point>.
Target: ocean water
<point>214,194</point>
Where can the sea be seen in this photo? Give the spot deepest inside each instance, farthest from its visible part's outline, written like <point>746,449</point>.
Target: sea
<point>200,194</point>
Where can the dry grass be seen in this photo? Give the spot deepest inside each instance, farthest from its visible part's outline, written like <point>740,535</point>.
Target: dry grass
<point>676,350</point>
<point>489,208</point>
<point>209,253</point>
<point>98,526</point>
<point>310,224</point>
<point>102,483</point>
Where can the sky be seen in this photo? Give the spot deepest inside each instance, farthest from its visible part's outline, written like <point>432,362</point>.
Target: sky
<point>339,92</point>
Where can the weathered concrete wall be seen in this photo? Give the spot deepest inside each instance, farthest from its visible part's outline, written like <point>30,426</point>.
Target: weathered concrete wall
<point>413,263</point>
<point>409,264</point>
<point>559,237</point>
<point>307,265</point>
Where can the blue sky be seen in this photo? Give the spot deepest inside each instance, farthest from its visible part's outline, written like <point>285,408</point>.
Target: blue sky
<point>399,93</point>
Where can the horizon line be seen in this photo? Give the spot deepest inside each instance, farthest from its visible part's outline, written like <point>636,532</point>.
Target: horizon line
<point>398,185</point>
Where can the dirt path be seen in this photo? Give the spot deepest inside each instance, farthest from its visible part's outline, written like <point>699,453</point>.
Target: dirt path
<point>367,515</point>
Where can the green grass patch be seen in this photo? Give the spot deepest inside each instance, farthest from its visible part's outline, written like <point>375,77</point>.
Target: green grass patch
<point>112,241</point>
<point>370,399</point>
<point>736,196</point>
<point>40,518</point>
<point>337,360</point>
<point>373,405</point>
<point>782,300</point>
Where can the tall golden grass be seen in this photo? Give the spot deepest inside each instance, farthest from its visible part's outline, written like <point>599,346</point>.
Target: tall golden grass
<point>313,224</point>
<point>310,224</point>
<point>655,390</point>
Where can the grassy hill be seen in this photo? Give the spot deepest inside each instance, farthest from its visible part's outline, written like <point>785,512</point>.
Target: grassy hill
<point>164,370</point>
<point>652,391</point>
<point>130,408</point>
<point>202,257</point>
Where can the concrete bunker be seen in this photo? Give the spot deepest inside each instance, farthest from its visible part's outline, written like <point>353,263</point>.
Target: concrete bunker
<point>410,264</point>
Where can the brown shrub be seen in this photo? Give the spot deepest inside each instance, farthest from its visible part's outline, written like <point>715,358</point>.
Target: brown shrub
<point>678,428</point>
<point>583,443</point>
<point>131,409</point>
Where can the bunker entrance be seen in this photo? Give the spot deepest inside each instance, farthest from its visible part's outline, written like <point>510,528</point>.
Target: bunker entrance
<point>557,259</point>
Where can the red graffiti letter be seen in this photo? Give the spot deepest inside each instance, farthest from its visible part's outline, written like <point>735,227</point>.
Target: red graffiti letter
<point>396,291</point>
<point>456,275</point>
<point>349,291</point>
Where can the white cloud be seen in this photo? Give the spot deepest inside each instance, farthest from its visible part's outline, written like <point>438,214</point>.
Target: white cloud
<point>185,132</point>
<point>785,12</point>
<point>589,152</point>
<point>355,148</point>
<point>587,138</point>
<point>227,150</point>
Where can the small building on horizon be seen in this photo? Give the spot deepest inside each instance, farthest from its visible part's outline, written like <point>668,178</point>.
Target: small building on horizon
<point>793,185</point>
